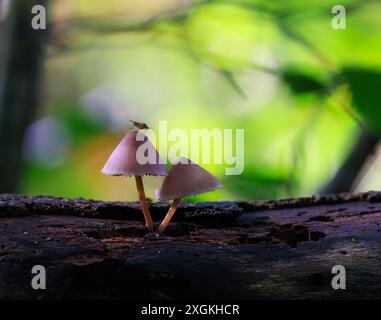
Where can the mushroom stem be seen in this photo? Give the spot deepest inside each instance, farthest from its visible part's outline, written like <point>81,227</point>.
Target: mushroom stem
<point>143,203</point>
<point>169,215</point>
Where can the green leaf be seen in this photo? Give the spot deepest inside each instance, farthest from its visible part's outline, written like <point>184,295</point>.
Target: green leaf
<point>253,184</point>
<point>365,86</point>
<point>300,82</point>
<point>229,76</point>
<point>79,123</point>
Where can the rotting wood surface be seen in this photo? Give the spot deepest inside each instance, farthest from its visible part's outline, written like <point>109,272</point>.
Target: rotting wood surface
<point>281,249</point>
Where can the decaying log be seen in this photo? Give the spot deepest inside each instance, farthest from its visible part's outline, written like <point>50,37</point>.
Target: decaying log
<point>222,250</point>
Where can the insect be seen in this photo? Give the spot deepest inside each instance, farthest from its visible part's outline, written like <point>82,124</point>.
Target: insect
<point>139,125</point>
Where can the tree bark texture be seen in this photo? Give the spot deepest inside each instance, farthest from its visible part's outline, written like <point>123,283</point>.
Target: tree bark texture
<point>214,250</point>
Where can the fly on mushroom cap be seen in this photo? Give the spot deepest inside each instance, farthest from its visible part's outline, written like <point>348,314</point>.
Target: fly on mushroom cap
<point>185,178</point>
<point>124,161</point>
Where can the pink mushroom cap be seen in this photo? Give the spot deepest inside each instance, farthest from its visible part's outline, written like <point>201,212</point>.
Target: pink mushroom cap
<point>186,178</point>
<point>123,161</point>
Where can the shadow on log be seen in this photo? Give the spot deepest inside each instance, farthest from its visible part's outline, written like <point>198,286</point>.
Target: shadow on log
<point>213,250</point>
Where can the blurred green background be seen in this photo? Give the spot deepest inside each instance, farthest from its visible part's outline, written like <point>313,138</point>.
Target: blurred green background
<point>307,95</point>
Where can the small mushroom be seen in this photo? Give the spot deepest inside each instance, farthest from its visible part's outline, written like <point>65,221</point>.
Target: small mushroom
<point>185,178</point>
<point>123,162</point>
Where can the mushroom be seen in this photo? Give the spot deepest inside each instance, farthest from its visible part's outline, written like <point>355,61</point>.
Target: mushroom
<point>123,162</point>
<point>185,178</point>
